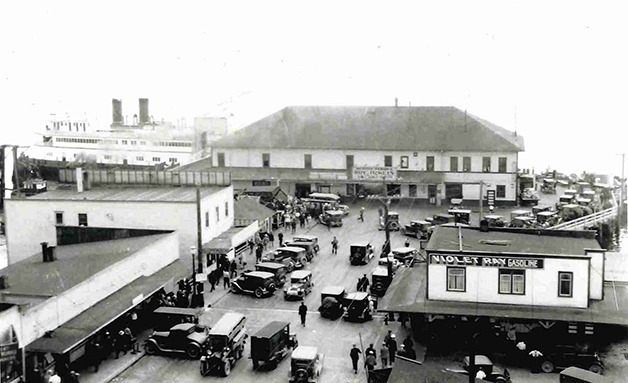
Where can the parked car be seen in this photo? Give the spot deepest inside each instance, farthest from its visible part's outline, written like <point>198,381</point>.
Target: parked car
<point>441,219</point>
<point>393,221</point>
<point>279,270</point>
<point>183,338</point>
<point>380,280</point>
<point>495,220</point>
<point>165,317</point>
<point>482,362</point>
<point>579,375</point>
<point>360,253</point>
<point>307,246</point>
<point>418,228</point>
<point>225,344</point>
<point>306,364</point>
<point>357,307</point>
<point>403,255</point>
<point>563,356</point>
<point>292,257</point>
<point>332,302</point>
<point>300,285</point>
<point>271,344</point>
<point>258,283</point>
<point>332,218</point>
<point>307,238</point>
<point>344,209</point>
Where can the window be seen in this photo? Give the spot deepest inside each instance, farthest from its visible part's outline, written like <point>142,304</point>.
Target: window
<point>502,165</point>
<point>172,160</point>
<point>260,183</point>
<point>82,219</point>
<point>349,161</point>
<point>59,217</point>
<point>157,159</point>
<point>217,214</point>
<point>226,209</point>
<point>221,160</point>
<point>501,191</point>
<point>307,160</point>
<point>512,282</point>
<point>124,142</point>
<point>430,164</point>
<point>206,219</point>
<point>411,190</point>
<point>456,279</point>
<point>565,284</point>
<point>107,156</point>
<point>134,142</point>
<point>387,160</point>
<point>404,162</point>
<point>466,164</point>
<point>486,164</point>
<point>453,164</point>
<point>140,158</point>
<point>266,160</point>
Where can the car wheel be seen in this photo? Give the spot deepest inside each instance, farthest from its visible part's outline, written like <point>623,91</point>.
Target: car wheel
<point>150,348</point>
<point>301,375</point>
<point>226,368</point>
<point>290,266</point>
<point>258,292</point>
<point>193,351</point>
<point>234,288</point>
<point>596,369</point>
<point>547,366</point>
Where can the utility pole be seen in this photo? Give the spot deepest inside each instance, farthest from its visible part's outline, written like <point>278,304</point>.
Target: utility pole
<point>199,231</point>
<point>622,197</point>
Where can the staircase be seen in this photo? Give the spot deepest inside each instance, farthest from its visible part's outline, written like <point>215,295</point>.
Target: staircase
<point>589,220</point>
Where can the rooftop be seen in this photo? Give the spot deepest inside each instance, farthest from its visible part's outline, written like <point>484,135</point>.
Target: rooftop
<point>250,209</point>
<point>421,128</point>
<point>73,265</point>
<point>496,240</point>
<point>127,194</point>
<point>270,329</point>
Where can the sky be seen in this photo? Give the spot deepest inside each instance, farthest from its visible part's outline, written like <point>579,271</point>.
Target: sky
<point>553,71</point>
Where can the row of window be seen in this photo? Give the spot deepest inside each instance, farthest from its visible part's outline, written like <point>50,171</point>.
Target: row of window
<point>176,144</point>
<point>76,125</point>
<point>217,214</point>
<point>404,162</point>
<point>115,142</point>
<point>82,218</point>
<point>510,281</point>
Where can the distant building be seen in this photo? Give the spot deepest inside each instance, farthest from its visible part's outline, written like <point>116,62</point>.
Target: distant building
<point>430,154</point>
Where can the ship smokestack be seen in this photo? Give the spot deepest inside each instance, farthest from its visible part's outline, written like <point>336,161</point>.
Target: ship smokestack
<point>144,116</point>
<point>116,108</point>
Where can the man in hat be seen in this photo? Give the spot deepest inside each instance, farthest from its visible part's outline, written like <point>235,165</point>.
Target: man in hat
<point>355,357</point>
<point>361,214</point>
<point>392,346</point>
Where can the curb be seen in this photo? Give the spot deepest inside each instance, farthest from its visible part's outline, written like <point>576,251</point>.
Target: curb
<point>123,367</point>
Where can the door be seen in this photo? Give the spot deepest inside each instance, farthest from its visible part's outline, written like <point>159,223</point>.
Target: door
<point>302,190</point>
<point>431,194</point>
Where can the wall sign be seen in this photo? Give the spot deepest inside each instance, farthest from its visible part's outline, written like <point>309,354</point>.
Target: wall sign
<point>374,173</point>
<point>484,261</point>
<point>490,197</point>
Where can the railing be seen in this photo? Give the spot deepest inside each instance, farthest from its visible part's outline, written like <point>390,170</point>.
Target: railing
<point>148,177</point>
<point>587,221</point>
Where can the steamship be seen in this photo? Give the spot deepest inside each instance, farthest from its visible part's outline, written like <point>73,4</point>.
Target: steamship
<point>140,142</point>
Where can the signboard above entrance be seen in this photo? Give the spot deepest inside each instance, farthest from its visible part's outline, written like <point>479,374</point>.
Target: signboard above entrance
<point>484,261</point>
<point>374,173</point>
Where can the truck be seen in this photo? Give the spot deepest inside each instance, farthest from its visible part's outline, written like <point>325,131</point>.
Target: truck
<point>225,344</point>
<point>271,344</point>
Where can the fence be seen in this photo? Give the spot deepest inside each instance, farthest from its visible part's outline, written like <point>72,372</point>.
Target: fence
<point>148,177</point>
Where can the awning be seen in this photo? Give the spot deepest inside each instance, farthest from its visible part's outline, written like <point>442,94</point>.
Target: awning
<point>74,332</point>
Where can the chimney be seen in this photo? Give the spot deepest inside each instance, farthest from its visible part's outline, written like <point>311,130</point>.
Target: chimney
<point>44,251</point>
<point>116,106</point>
<point>396,100</point>
<point>79,180</point>
<point>144,116</point>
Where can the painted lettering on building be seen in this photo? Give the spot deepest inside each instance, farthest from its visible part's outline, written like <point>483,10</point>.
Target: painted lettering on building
<point>374,173</point>
<point>484,261</point>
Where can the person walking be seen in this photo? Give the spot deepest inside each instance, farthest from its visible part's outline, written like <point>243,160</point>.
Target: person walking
<point>384,354</point>
<point>355,357</point>
<point>303,313</point>
<point>251,245</point>
<point>407,243</point>
<point>387,337</point>
<point>371,349</point>
<point>211,279</point>
<point>265,241</point>
<point>370,361</point>
<point>334,245</point>
<point>131,341</point>
<point>258,253</point>
<point>226,281</point>
<point>361,214</point>
<point>271,239</point>
<point>233,268</point>
<point>392,347</point>
<point>280,236</point>
<point>294,226</point>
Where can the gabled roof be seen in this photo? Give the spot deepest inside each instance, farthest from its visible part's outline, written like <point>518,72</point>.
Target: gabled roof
<point>249,208</point>
<point>424,128</point>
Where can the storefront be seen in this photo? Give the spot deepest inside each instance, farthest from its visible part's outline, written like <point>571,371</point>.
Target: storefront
<point>10,356</point>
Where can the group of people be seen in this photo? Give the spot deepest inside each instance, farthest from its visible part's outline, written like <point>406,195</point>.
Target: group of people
<point>388,351</point>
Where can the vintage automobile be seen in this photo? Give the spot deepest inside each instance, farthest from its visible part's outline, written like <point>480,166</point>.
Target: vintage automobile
<point>522,222</point>
<point>225,344</point>
<point>461,216</point>
<point>549,186</point>
<point>306,364</point>
<point>380,280</point>
<point>165,317</point>
<point>529,196</point>
<point>402,256</point>
<point>332,218</point>
<point>271,344</point>
<point>547,218</point>
<point>494,220</point>
<point>482,362</point>
<point>307,238</point>
<point>456,203</point>
<point>332,302</point>
<point>579,375</point>
<point>571,192</point>
<point>563,356</point>
<point>292,257</point>
<point>393,221</point>
<point>279,270</point>
<point>441,219</point>
<point>357,307</point>
<point>307,246</point>
<point>565,199</point>
<point>258,283</point>
<point>360,253</point>
<point>537,209</point>
<point>520,213</point>
<point>300,285</point>
<point>183,338</point>
<point>583,201</point>
<point>418,228</point>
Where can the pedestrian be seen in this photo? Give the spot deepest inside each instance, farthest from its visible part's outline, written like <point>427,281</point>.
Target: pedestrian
<point>233,269</point>
<point>258,253</point>
<point>107,345</point>
<point>226,281</point>
<point>384,354</point>
<point>371,349</point>
<point>387,337</point>
<point>535,361</point>
<point>251,246</point>
<point>92,353</point>
<point>402,352</point>
<point>211,279</point>
<point>364,284</point>
<point>119,344</point>
<point>334,245</point>
<point>355,357</point>
<point>408,342</point>
<point>392,346</point>
<point>361,214</point>
<point>308,218</point>
<point>407,243</point>
<point>132,341</point>
<point>370,361</point>
<point>134,324</point>
<point>54,378</point>
<point>303,313</point>
<point>271,239</point>
<point>280,236</point>
<point>294,226</point>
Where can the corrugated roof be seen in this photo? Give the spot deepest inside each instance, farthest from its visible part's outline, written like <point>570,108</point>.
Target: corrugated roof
<point>424,128</point>
<point>248,208</point>
<point>128,194</point>
<point>446,238</point>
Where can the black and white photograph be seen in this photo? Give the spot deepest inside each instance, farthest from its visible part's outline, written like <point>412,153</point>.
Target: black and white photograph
<point>313,191</point>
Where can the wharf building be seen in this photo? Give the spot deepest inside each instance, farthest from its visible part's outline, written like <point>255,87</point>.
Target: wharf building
<point>428,154</point>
